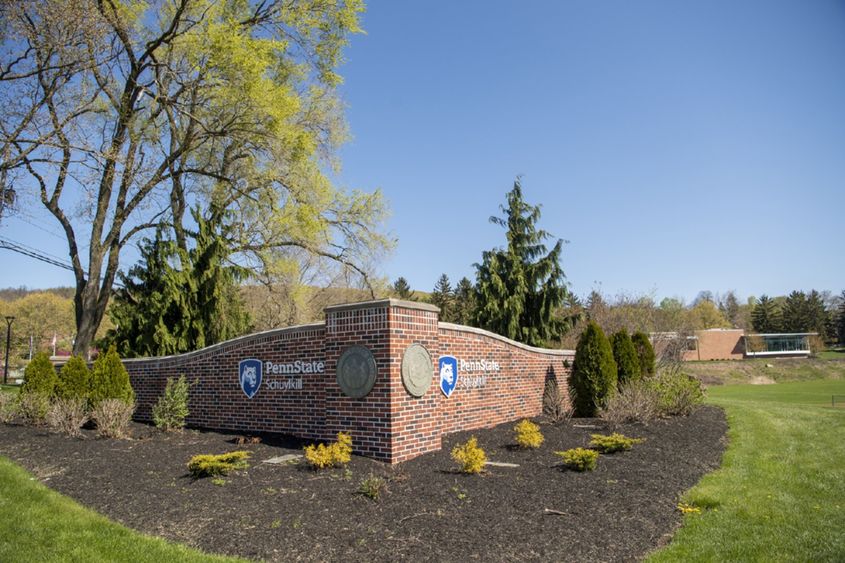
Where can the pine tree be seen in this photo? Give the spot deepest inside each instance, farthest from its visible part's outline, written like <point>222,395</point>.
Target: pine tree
<point>520,288</point>
<point>443,297</point>
<point>464,302</point>
<point>840,320</point>
<point>796,313</point>
<point>625,356</point>
<point>402,289</point>
<point>593,378</point>
<point>765,317</point>
<point>645,353</point>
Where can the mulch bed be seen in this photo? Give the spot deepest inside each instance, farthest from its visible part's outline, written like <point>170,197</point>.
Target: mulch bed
<point>621,511</point>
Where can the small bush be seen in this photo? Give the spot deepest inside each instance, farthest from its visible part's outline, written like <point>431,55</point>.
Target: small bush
<point>579,459</point>
<point>322,456</point>
<point>32,407</point>
<point>8,407</point>
<point>112,417</point>
<point>593,378</point>
<point>74,379</point>
<point>68,415</point>
<point>470,456</point>
<point>679,394</point>
<point>171,410</point>
<point>645,353</point>
<point>110,380</point>
<point>554,402</point>
<point>636,401</point>
<point>39,376</point>
<point>528,435</point>
<point>206,465</point>
<point>372,487</point>
<point>625,356</point>
<point>614,443</point>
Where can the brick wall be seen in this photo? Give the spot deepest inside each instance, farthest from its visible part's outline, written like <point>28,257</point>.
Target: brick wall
<point>388,423</point>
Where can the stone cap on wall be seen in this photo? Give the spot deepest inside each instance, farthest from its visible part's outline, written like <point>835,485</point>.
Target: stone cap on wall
<point>514,343</point>
<point>382,303</point>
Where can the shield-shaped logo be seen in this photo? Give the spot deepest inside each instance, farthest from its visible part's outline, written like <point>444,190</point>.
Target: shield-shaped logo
<point>249,374</point>
<point>448,366</point>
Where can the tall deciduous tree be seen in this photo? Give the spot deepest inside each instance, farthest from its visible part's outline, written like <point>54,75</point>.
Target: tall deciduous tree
<point>521,287</point>
<point>120,114</point>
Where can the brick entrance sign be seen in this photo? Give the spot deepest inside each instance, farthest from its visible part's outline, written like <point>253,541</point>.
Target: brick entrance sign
<point>386,371</point>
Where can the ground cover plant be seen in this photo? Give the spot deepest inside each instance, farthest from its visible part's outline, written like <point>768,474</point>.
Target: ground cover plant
<point>470,456</point>
<point>210,465</point>
<point>528,435</point>
<point>579,459</point>
<point>336,454</point>
<point>778,495</point>
<point>613,443</point>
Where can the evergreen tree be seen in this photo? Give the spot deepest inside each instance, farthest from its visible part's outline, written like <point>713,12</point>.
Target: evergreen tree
<point>40,376</point>
<point>625,356</point>
<point>645,353</point>
<point>110,380</point>
<point>765,317</point>
<point>464,302</point>
<point>817,314</point>
<point>796,313</point>
<point>402,289</point>
<point>593,378</point>
<point>520,288</point>
<point>74,379</point>
<point>444,297</point>
<point>840,320</point>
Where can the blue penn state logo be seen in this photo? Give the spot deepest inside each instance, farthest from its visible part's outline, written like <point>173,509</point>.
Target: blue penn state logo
<point>249,374</point>
<point>448,366</point>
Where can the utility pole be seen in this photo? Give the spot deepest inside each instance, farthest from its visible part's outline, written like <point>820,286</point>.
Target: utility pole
<point>8,343</point>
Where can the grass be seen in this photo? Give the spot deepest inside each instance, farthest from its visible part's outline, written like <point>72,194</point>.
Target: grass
<point>775,369</point>
<point>41,525</point>
<point>779,493</point>
<point>832,354</point>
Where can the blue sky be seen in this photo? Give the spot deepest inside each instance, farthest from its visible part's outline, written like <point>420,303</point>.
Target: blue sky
<point>677,146</point>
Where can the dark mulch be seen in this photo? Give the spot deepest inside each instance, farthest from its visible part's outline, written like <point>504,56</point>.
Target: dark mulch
<point>621,511</point>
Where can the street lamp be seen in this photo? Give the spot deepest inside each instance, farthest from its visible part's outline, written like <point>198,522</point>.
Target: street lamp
<point>8,342</point>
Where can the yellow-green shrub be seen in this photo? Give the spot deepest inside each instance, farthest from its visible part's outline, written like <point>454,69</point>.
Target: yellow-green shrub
<point>579,459</point>
<point>614,443</point>
<point>322,456</point>
<point>528,434</point>
<point>470,456</point>
<point>205,465</point>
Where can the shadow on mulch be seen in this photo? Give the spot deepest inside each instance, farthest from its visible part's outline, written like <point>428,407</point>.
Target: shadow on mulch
<point>282,512</point>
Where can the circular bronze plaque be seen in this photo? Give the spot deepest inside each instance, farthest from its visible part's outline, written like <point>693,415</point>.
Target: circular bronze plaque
<point>356,371</point>
<point>417,370</point>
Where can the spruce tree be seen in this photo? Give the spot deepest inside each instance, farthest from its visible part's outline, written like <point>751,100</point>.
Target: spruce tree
<point>402,289</point>
<point>625,356</point>
<point>464,302</point>
<point>765,317</point>
<point>796,313</point>
<point>593,378</point>
<point>74,379</point>
<point>443,297</point>
<point>521,287</point>
<point>645,353</point>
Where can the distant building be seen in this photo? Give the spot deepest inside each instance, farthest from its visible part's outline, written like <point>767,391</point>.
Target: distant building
<point>733,344</point>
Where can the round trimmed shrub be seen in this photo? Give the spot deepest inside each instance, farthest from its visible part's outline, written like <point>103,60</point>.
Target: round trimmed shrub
<point>73,382</point>
<point>625,356</point>
<point>645,353</point>
<point>593,378</point>
<point>40,376</point>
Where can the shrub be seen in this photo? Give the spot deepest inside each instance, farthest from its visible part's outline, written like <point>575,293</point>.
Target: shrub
<point>112,417</point>
<point>579,459</point>
<point>372,487</point>
<point>625,356</point>
<point>8,407</point>
<point>171,409</point>
<point>614,443</point>
<point>73,381</point>
<point>636,401</point>
<point>645,353</point>
<point>39,376</point>
<point>528,434</point>
<point>110,380</point>
<point>32,407</point>
<point>470,456</point>
<point>593,378</point>
<point>206,465</point>
<point>68,415</point>
<point>554,403</point>
<point>679,394</point>
<point>322,456</point>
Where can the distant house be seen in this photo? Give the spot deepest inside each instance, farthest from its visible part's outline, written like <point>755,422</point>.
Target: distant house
<point>733,344</point>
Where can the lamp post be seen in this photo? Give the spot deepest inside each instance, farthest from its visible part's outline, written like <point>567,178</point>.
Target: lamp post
<point>8,342</point>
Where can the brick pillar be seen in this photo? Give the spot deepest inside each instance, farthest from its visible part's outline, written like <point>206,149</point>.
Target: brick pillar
<point>388,423</point>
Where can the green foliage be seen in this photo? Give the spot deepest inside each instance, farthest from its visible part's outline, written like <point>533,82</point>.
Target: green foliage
<point>171,409</point>
<point>528,435</point>
<point>402,289</point>
<point>470,456</point>
<point>805,313</point>
<point>444,298</point>
<point>110,380</point>
<point>614,443</point>
<point>74,379</point>
<point>840,320</point>
<point>206,465</point>
<point>520,288</point>
<point>112,417</point>
<point>645,353</point>
<point>593,378</point>
<point>372,487</point>
<point>625,356</point>
<point>40,376</point>
<point>766,316</point>
<point>337,454</point>
<point>679,394</point>
<point>579,459</point>
<point>464,302</point>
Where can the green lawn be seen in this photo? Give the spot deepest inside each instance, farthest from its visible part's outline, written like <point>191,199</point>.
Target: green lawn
<point>780,493</point>
<point>41,525</point>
